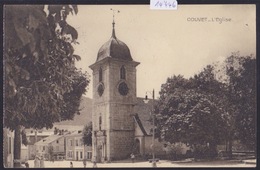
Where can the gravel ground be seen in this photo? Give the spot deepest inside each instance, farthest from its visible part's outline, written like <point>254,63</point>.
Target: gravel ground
<point>161,163</point>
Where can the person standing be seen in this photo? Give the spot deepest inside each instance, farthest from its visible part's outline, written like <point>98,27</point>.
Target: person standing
<point>84,162</point>
<point>36,162</point>
<point>42,162</point>
<point>95,162</point>
<point>26,164</point>
<point>132,157</point>
<point>71,165</point>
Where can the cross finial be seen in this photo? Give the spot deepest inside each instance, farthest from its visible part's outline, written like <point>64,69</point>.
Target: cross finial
<point>113,23</point>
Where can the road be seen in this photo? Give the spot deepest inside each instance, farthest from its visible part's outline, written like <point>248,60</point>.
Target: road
<point>162,163</point>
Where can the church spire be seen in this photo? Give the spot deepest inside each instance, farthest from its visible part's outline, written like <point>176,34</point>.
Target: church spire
<point>113,24</point>
<point>113,29</point>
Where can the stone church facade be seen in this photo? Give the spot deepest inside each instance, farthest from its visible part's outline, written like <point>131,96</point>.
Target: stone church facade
<point>114,97</point>
<point>121,121</point>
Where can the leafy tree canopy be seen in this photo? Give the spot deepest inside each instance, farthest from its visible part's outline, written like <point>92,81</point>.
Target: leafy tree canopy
<point>87,134</point>
<point>42,84</point>
<point>240,81</point>
<point>185,113</point>
<point>217,104</point>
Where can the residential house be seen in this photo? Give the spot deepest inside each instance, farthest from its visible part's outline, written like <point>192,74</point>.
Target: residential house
<point>75,149</point>
<point>8,148</point>
<point>52,147</point>
<point>34,136</point>
<point>88,152</point>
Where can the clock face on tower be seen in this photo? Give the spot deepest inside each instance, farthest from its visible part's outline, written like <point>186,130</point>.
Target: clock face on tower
<point>123,89</point>
<point>100,89</point>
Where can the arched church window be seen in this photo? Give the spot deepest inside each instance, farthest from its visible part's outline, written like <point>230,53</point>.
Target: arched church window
<point>122,73</point>
<point>100,74</point>
<point>100,122</point>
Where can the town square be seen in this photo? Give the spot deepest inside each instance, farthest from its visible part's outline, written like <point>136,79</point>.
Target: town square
<point>162,164</point>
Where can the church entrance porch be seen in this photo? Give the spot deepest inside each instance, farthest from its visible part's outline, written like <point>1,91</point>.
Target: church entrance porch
<point>99,153</point>
<point>137,147</point>
<point>100,146</point>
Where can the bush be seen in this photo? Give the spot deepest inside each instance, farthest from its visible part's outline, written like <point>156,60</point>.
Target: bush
<point>201,152</point>
<point>189,154</point>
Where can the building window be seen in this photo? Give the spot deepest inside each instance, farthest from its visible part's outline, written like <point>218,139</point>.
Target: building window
<point>81,155</point>
<point>77,143</point>
<point>89,155</point>
<point>71,144</point>
<point>9,145</point>
<point>70,154</point>
<point>28,139</point>
<point>57,141</point>
<point>100,122</point>
<point>100,74</point>
<point>43,148</point>
<point>81,142</point>
<point>122,73</point>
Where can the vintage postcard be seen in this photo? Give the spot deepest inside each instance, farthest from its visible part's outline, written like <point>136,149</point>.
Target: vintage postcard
<point>167,85</point>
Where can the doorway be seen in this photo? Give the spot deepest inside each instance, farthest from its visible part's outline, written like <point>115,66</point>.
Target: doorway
<point>137,147</point>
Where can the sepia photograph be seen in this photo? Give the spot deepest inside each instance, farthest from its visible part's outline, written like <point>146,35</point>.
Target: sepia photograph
<point>129,86</point>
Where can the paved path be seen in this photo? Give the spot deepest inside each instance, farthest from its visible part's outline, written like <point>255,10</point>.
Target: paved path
<point>162,163</point>
<point>250,161</point>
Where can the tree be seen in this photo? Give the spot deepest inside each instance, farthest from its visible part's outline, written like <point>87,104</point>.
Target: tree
<point>87,134</point>
<point>24,139</point>
<point>41,80</point>
<point>240,80</point>
<point>56,130</point>
<point>246,119</point>
<point>187,108</point>
<point>207,83</point>
<point>210,107</point>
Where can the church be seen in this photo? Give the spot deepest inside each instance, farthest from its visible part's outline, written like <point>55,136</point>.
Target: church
<point>121,121</point>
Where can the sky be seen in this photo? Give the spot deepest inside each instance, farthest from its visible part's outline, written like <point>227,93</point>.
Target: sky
<point>166,42</point>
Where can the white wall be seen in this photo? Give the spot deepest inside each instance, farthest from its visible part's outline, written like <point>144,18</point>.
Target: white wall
<point>24,153</point>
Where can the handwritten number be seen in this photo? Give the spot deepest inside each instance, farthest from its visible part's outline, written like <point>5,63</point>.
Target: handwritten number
<point>174,4</point>
<point>166,4</point>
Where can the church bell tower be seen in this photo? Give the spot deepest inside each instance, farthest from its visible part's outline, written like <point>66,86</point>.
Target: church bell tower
<point>114,97</point>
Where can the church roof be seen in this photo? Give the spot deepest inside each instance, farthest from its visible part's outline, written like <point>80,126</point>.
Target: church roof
<point>138,121</point>
<point>144,115</point>
<point>114,48</point>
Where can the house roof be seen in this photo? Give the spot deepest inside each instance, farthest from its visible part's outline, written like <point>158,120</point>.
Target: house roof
<point>43,133</point>
<point>74,133</point>
<point>69,127</point>
<point>49,139</point>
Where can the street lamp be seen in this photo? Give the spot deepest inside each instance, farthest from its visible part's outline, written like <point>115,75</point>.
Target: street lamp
<point>146,100</point>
